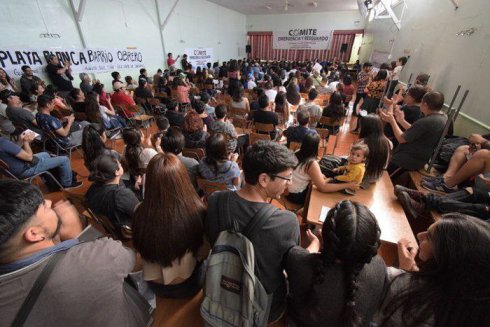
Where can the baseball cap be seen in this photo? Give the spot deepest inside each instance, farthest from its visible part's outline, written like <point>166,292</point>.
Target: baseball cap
<point>118,85</point>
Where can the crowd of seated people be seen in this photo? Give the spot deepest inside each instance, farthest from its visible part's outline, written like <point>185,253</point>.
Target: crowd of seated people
<point>339,278</point>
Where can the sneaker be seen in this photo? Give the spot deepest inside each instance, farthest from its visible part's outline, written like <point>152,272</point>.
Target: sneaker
<point>413,209</point>
<point>432,178</point>
<point>74,184</point>
<point>414,194</point>
<point>117,135</point>
<point>438,186</point>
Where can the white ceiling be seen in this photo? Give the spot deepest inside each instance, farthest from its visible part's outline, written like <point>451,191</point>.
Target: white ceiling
<point>260,7</point>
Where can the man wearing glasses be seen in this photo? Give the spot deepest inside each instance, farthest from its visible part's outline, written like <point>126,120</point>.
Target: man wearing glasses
<point>268,168</point>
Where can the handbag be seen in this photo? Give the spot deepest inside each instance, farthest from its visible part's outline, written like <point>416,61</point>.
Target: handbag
<point>329,162</point>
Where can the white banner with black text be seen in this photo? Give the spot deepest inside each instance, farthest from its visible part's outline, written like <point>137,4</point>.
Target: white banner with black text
<point>89,60</point>
<point>302,39</point>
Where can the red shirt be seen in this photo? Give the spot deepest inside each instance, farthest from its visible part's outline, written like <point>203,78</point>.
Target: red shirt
<point>125,101</point>
<point>170,62</point>
<point>103,99</point>
<point>349,90</point>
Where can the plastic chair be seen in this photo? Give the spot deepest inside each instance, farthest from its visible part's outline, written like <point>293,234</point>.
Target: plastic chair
<point>50,136</point>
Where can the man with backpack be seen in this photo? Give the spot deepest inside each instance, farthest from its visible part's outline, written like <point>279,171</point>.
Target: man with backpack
<point>246,215</point>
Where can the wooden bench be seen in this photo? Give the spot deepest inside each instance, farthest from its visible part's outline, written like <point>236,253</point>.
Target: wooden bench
<point>178,312</point>
<point>380,199</point>
<point>185,312</point>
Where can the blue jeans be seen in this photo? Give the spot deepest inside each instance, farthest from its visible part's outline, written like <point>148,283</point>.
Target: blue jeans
<point>46,162</point>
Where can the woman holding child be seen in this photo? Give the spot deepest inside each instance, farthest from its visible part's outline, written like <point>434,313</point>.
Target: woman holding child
<point>308,170</point>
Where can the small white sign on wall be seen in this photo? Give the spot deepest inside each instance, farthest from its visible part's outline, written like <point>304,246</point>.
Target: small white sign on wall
<point>199,57</point>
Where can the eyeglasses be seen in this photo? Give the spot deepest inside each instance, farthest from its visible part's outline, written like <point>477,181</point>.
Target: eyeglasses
<point>289,179</point>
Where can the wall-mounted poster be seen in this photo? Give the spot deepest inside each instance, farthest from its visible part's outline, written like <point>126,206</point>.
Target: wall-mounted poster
<point>199,57</point>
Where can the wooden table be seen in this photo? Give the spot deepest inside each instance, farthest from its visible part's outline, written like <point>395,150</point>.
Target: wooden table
<point>380,199</point>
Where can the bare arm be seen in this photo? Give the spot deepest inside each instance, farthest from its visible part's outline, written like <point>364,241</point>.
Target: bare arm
<point>110,111</point>
<point>322,184</point>
<point>65,131</point>
<point>389,118</point>
<point>247,104</point>
<point>26,153</point>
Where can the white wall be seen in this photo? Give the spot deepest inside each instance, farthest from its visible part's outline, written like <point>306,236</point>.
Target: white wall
<point>125,23</point>
<point>340,20</point>
<point>428,35</point>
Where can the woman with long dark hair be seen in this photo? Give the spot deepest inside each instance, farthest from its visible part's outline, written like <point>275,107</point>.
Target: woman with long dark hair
<point>7,81</point>
<point>108,115</point>
<point>92,108</point>
<point>292,92</point>
<point>335,110</point>
<point>135,154</point>
<point>308,170</point>
<point>93,143</point>
<point>282,106</point>
<point>379,147</point>
<point>374,92</point>
<point>342,284</point>
<point>238,100</point>
<point>168,229</point>
<point>76,99</point>
<point>219,165</point>
<point>234,77</point>
<point>446,282</point>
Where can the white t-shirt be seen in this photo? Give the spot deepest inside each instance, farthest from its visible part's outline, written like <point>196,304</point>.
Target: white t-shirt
<point>301,179</point>
<point>332,87</point>
<point>280,89</point>
<point>103,112</point>
<point>251,85</point>
<point>271,94</point>
<point>395,75</point>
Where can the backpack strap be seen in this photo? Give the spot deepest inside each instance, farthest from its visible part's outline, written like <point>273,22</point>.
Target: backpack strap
<point>88,234</point>
<point>258,220</point>
<point>255,224</point>
<point>36,289</point>
<point>226,222</point>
